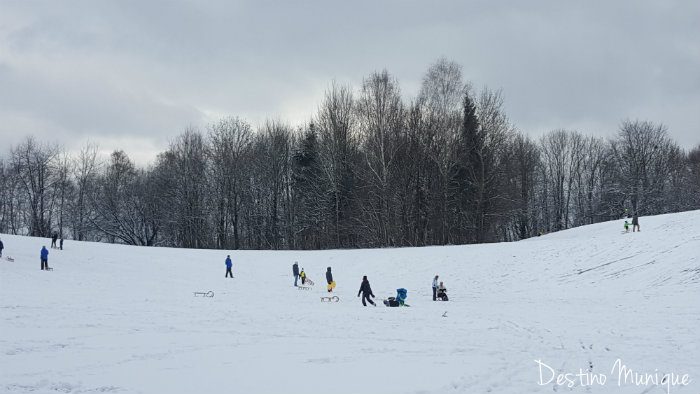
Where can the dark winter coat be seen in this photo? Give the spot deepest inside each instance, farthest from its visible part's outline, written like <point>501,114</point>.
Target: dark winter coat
<point>44,253</point>
<point>364,288</point>
<point>635,220</point>
<point>229,264</point>
<point>329,276</point>
<point>1,246</point>
<point>295,269</point>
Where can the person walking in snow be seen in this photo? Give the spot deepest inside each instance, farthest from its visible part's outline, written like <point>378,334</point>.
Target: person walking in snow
<point>44,258</point>
<point>329,279</point>
<point>635,222</point>
<point>1,248</point>
<point>53,240</point>
<point>627,226</point>
<point>229,264</point>
<point>295,272</point>
<point>435,287</point>
<point>302,275</point>
<point>366,291</point>
<point>61,244</point>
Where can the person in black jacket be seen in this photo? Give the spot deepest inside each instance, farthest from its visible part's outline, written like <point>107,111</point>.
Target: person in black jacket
<point>366,291</point>
<point>1,248</point>
<point>329,279</point>
<point>295,272</point>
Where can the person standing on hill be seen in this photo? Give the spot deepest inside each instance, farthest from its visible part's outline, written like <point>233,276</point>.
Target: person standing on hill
<point>435,287</point>
<point>302,275</point>
<point>295,272</point>
<point>61,244</point>
<point>366,291</point>
<point>53,240</point>
<point>44,258</point>
<point>1,247</point>
<point>329,279</point>
<point>229,264</point>
<point>635,222</point>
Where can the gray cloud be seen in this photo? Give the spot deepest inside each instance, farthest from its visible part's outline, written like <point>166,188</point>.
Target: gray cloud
<point>135,74</point>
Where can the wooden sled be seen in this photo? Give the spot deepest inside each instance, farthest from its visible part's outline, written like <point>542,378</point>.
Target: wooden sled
<point>330,299</point>
<point>10,259</point>
<point>303,288</point>
<point>48,269</point>
<point>203,294</point>
<point>309,282</point>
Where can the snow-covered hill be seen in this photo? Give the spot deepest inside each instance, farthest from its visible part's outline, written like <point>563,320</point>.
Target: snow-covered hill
<point>113,318</point>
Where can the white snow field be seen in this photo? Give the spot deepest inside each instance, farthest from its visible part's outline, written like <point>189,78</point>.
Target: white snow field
<point>113,318</point>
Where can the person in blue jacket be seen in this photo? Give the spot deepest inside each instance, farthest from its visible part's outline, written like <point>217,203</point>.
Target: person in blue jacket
<point>229,264</point>
<point>44,258</point>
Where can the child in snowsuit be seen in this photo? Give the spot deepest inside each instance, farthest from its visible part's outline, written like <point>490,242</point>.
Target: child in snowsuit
<point>366,291</point>
<point>329,279</point>
<point>442,292</point>
<point>627,227</point>
<point>229,264</point>
<point>302,275</point>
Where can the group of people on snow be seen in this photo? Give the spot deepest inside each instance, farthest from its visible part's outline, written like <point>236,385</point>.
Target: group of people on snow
<point>439,290</point>
<point>298,275</point>
<point>54,238</point>
<point>635,224</point>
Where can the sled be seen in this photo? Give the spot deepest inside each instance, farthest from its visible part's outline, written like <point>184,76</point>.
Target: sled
<point>308,281</point>
<point>203,294</point>
<point>303,288</point>
<point>48,269</point>
<point>10,259</point>
<point>330,299</point>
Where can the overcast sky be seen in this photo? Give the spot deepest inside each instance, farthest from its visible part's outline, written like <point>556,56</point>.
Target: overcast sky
<point>132,75</point>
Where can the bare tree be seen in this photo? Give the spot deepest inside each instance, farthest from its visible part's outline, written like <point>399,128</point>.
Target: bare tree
<point>270,183</point>
<point>63,191</point>
<point>188,189</point>
<point>640,153</point>
<point>441,95</point>
<point>380,126</point>
<point>338,150</point>
<point>110,202</point>
<point>85,171</point>
<point>33,164</point>
<point>230,144</point>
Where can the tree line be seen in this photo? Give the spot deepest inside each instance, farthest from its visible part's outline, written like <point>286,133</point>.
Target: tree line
<point>367,170</point>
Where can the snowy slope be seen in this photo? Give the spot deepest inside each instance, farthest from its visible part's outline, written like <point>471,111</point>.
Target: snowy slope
<point>113,318</point>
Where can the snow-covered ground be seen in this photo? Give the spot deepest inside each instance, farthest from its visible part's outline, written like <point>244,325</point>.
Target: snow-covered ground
<point>113,318</point>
